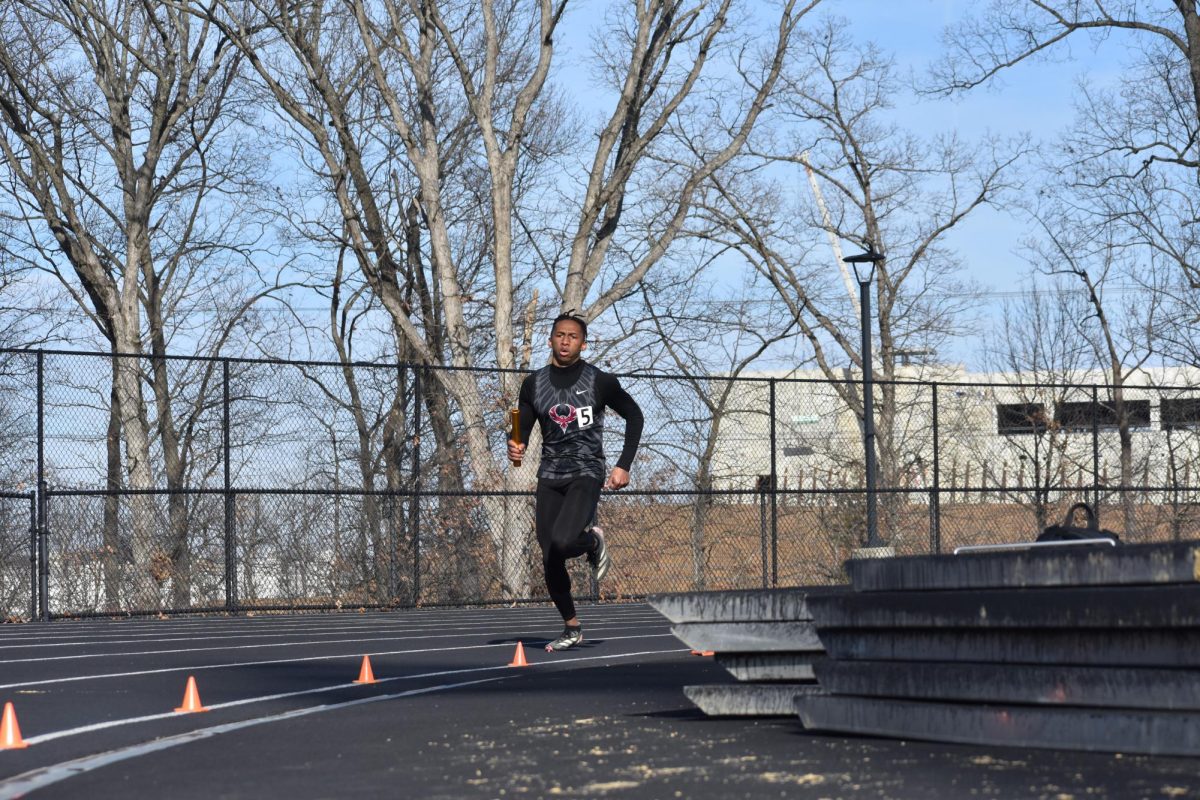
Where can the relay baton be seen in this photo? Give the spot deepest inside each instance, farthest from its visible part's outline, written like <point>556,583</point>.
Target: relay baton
<point>514,422</point>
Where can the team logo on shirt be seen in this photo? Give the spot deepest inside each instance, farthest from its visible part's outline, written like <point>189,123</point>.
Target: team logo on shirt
<point>564,414</point>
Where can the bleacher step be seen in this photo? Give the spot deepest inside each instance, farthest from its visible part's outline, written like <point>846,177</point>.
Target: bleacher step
<point>749,699</point>
<point>749,637</point>
<point>1114,647</point>
<point>770,666</point>
<point>1164,733</point>
<point>1091,607</point>
<point>1099,686</point>
<point>1127,565</point>
<point>739,605</point>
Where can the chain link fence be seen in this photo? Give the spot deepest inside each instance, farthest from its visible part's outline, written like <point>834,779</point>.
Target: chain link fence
<point>273,485</point>
<point>18,557</point>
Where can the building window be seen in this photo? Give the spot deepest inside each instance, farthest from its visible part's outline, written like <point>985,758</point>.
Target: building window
<point>1020,418</point>
<point>1181,412</point>
<point>1079,416</point>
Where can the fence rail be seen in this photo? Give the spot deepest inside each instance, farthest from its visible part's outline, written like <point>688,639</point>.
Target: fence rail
<point>275,485</point>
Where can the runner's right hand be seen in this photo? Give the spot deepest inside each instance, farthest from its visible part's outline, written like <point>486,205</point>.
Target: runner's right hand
<point>515,451</point>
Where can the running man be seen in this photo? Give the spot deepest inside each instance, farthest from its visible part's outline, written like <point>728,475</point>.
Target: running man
<point>568,398</point>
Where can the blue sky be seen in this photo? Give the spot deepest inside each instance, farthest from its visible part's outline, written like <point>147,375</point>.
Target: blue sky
<point>1034,98</point>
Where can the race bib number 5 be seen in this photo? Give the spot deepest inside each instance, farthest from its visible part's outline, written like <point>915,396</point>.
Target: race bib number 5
<point>585,416</point>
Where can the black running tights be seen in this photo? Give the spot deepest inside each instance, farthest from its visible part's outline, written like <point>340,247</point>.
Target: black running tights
<point>566,507</point>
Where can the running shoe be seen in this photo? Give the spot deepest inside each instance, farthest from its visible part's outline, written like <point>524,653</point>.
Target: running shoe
<point>599,558</point>
<point>569,638</point>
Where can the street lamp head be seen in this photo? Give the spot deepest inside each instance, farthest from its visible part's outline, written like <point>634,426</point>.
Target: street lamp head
<point>869,257</point>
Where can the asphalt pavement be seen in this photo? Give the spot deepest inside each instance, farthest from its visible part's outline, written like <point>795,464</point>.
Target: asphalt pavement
<point>448,717</point>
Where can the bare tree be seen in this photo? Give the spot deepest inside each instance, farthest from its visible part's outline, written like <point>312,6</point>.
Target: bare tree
<point>1036,344</point>
<point>1131,162</point>
<point>461,90</point>
<point>890,191</point>
<point>125,169</point>
<point>376,400</point>
<point>1008,32</point>
<point>1118,326</point>
<point>1123,185</point>
<point>687,326</point>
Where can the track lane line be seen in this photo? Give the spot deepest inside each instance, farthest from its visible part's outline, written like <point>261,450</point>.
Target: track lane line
<point>387,628</point>
<point>356,654</point>
<point>264,645</point>
<point>100,626</point>
<point>306,642</point>
<point>99,726</point>
<point>20,785</point>
<point>50,638</point>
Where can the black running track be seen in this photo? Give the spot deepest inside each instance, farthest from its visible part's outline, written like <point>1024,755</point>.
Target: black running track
<point>448,718</point>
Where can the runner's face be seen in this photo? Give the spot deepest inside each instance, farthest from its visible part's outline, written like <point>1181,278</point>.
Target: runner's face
<point>566,343</point>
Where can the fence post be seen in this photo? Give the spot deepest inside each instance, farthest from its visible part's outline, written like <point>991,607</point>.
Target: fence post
<point>33,558</point>
<point>774,489</point>
<point>389,504</point>
<point>42,522</point>
<point>399,509</point>
<point>935,495</point>
<point>416,495</point>
<point>393,502</point>
<point>231,593</point>
<point>1096,451</point>
<point>760,486</point>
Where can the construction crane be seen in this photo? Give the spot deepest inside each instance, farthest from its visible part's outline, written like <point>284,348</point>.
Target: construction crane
<point>851,289</point>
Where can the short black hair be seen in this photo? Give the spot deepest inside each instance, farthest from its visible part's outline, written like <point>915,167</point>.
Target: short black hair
<point>573,317</point>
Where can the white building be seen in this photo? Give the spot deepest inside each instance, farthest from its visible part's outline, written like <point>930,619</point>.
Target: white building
<point>992,429</point>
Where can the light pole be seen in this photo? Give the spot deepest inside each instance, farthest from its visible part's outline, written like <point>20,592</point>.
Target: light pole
<point>868,387</point>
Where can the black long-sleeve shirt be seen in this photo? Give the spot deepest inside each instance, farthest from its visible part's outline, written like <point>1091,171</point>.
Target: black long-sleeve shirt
<point>569,404</point>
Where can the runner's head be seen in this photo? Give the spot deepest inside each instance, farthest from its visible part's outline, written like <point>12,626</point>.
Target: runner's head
<point>568,338</point>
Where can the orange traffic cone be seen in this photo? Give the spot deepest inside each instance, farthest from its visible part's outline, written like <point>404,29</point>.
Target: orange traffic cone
<point>519,657</point>
<point>10,731</point>
<point>365,675</point>
<point>191,699</point>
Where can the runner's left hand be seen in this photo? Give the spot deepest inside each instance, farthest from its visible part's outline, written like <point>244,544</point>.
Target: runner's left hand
<point>617,479</point>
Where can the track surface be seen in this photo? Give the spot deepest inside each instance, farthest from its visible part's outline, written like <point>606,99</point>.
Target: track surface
<point>448,718</point>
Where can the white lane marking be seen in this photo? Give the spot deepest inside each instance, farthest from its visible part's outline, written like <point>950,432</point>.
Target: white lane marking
<point>55,631</point>
<point>263,645</point>
<point>243,627</point>
<point>383,628</point>
<point>357,654</point>
<point>297,618</point>
<point>47,637</point>
<point>99,726</point>
<point>251,618</point>
<point>21,785</point>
